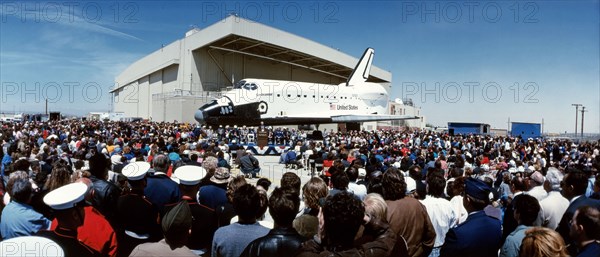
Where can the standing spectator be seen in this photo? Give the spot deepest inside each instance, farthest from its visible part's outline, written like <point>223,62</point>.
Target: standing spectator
<point>18,217</point>
<point>526,212</point>
<point>585,231</point>
<point>137,217</point>
<point>204,219</point>
<point>176,225</point>
<point>407,216</point>
<point>67,202</point>
<point>231,240</point>
<point>283,239</point>
<point>554,205</point>
<point>340,219</point>
<point>480,234</point>
<point>214,194</point>
<point>537,180</point>
<point>106,194</point>
<point>359,190</point>
<point>509,223</point>
<point>542,242</point>
<point>95,232</point>
<point>307,224</point>
<point>439,210</point>
<point>161,190</point>
<point>573,188</point>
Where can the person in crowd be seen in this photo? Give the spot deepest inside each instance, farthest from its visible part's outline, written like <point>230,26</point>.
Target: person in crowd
<point>137,217</point>
<point>585,231</point>
<point>204,219</point>
<point>249,164</point>
<point>68,203</point>
<point>283,239</point>
<point>439,210</point>
<point>407,216</point>
<point>573,188</point>
<point>307,223</point>
<point>176,225</point>
<point>96,232</point>
<point>357,189</point>
<point>18,217</point>
<point>509,223</point>
<point>340,219</point>
<point>542,242</point>
<point>161,190</point>
<point>526,210</point>
<point>231,240</point>
<point>214,194</point>
<point>537,182</point>
<point>106,194</point>
<point>469,239</point>
<point>226,212</point>
<point>376,207</point>
<point>554,205</point>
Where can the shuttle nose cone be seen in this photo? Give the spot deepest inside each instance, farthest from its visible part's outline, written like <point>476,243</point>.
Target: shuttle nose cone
<point>199,116</point>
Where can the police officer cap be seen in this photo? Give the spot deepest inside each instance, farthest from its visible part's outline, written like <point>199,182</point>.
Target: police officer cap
<point>477,189</point>
<point>190,175</point>
<point>30,246</point>
<point>66,197</point>
<point>136,170</point>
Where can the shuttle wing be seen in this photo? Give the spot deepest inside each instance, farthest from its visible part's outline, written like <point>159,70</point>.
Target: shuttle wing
<point>370,117</point>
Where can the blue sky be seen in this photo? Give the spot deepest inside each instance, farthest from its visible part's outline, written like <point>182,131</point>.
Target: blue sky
<point>477,61</point>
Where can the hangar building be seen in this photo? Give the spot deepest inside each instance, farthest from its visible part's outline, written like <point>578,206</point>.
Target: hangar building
<point>172,82</point>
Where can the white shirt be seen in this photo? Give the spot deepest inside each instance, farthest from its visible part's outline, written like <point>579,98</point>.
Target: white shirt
<point>460,212</point>
<point>552,208</point>
<point>538,192</point>
<point>359,190</point>
<point>442,216</point>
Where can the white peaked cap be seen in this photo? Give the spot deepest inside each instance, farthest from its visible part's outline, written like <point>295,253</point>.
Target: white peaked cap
<point>66,197</point>
<point>190,175</point>
<point>136,170</point>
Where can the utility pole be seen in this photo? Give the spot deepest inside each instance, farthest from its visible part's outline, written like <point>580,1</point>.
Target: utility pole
<point>583,111</point>
<point>576,113</point>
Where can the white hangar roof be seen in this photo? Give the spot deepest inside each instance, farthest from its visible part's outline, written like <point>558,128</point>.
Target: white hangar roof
<point>241,36</point>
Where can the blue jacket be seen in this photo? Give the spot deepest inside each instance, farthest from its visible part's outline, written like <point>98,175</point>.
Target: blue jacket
<point>478,236</point>
<point>564,227</point>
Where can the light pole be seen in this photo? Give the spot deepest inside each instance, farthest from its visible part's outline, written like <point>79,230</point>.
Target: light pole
<point>576,113</point>
<point>582,115</point>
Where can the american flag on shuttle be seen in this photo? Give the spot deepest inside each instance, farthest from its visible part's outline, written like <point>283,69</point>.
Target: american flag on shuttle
<point>332,107</point>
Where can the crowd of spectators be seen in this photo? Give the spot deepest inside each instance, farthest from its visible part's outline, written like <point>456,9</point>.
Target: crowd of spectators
<point>370,193</point>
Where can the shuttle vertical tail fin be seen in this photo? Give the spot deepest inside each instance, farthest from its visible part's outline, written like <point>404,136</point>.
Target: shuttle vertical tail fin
<point>360,74</point>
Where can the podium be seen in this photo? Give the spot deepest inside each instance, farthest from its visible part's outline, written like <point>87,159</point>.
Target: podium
<point>262,138</point>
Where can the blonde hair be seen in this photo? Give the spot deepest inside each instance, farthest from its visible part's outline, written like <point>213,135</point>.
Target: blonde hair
<point>542,242</point>
<point>375,206</point>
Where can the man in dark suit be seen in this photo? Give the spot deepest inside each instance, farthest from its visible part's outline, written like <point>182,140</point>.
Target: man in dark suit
<point>573,186</point>
<point>161,190</point>
<point>480,234</point>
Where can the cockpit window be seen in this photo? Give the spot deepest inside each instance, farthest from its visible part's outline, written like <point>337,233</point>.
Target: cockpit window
<point>250,86</point>
<point>239,84</point>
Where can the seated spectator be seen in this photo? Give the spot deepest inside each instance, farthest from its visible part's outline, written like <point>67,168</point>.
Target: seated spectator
<point>249,164</point>
<point>542,242</point>
<point>341,217</point>
<point>283,239</point>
